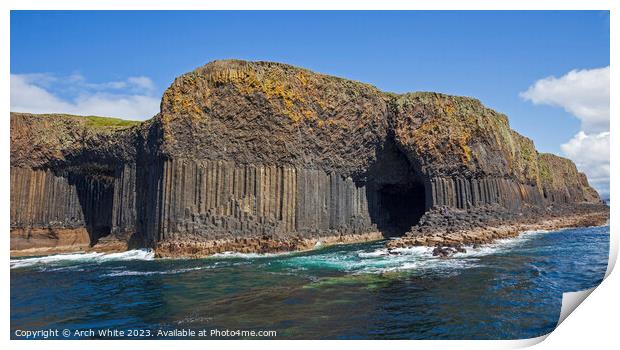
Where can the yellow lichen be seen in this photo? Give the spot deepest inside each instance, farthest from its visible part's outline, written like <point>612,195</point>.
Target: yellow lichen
<point>467,152</point>
<point>302,78</point>
<point>282,94</point>
<point>308,114</point>
<point>449,110</point>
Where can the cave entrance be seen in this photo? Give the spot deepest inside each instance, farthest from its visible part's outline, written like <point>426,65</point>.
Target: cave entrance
<point>401,206</point>
<point>396,191</point>
<point>95,194</point>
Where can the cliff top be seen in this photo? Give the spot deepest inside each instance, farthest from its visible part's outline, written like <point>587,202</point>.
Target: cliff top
<point>46,140</point>
<point>234,69</point>
<point>83,120</point>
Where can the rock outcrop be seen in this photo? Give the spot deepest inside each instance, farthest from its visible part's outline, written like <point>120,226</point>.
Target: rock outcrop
<point>274,156</point>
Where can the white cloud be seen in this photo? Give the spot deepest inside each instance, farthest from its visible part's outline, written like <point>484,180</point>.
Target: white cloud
<point>40,93</point>
<point>144,83</point>
<point>584,94</point>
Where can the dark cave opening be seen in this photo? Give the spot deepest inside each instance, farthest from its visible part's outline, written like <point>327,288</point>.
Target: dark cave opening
<point>95,194</point>
<point>397,195</point>
<point>399,207</point>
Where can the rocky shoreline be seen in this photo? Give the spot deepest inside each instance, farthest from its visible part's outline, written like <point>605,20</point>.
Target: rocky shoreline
<point>108,245</point>
<point>453,231</point>
<point>446,239</point>
<point>261,245</point>
<point>267,157</point>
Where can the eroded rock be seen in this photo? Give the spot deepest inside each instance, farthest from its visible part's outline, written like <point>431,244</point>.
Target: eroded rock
<point>261,156</point>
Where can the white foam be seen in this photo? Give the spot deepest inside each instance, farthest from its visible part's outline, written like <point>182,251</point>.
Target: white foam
<point>414,259</point>
<point>248,255</point>
<point>136,254</point>
<point>374,254</point>
<point>94,257</point>
<point>500,245</point>
<point>149,273</point>
<point>49,268</point>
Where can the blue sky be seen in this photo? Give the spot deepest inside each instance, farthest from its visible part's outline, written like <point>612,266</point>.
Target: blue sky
<point>86,58</point>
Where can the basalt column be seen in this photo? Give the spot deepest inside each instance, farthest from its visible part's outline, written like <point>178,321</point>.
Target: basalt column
<point>57,209</point>
<point>265,150</point>
<point>465,193</point>
<point>222,199</point>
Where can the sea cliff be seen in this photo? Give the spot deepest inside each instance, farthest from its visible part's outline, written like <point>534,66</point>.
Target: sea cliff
<point>261,156</point>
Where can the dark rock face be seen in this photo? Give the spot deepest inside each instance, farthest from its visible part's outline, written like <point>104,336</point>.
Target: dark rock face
<point>270,113</point>
<point>63,176</point>
<point>259,149</point>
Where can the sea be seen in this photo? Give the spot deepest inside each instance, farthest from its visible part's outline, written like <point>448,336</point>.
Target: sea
<point>511,289</point>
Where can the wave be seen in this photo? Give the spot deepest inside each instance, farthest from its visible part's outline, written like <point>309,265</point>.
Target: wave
<point>380,260</point>
<point>417,259</point>
<point>501,245</point>
<point>94,257</point>
<point>150,273</point>
<point>237,255</point>
<point>374,260</point>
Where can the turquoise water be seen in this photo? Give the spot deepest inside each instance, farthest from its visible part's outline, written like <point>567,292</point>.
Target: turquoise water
<point>508,290</point>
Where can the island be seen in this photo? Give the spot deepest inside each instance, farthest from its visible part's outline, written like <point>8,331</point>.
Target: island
<point>266,157</point>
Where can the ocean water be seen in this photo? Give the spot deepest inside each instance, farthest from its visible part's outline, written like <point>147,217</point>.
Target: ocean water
<point>508,290</point>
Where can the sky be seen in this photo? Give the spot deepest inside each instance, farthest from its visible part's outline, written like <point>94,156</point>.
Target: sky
<point>547,70</point>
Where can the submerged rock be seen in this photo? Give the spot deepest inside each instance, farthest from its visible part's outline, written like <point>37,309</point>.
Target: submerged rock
<point>446,252</point>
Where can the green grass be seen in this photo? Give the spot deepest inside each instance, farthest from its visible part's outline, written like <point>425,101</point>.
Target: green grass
<point>545,171</point>
<point>89,121</point>
<point>106,122</point>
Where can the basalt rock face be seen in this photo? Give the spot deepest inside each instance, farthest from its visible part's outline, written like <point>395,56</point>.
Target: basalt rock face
<point>65,172</point>
<point>469,154</point>
<point>267,151</point>
<point>562,183</point>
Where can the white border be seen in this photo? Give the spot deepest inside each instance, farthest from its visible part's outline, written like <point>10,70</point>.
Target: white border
<point>594,323</point>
